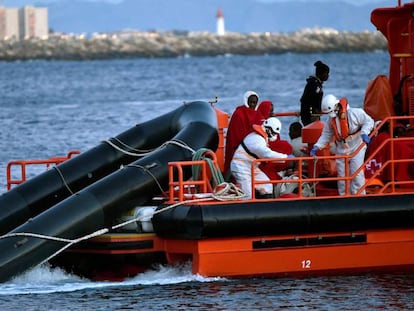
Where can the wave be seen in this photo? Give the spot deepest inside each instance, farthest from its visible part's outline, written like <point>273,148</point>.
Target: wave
<point>46,280</point>
<point>64,106</point>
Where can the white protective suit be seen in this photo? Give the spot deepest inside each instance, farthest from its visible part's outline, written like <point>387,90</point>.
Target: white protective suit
<point>241,164</point>
<point>359,122</point>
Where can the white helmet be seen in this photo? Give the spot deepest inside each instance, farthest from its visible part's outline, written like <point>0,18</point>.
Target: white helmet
<point>274,124</point>
<point>329,104</point>
<point>273,127</point>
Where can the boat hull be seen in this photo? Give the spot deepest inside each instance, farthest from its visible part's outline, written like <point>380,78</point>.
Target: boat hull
<point>116,256</point>
<point>354,252</point>
<point>281,238</point>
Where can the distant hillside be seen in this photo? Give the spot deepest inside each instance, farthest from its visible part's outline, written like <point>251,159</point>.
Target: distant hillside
<point>76,16</point>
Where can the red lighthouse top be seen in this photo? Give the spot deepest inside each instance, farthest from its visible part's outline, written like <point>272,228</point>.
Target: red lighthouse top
<point>219,13</point>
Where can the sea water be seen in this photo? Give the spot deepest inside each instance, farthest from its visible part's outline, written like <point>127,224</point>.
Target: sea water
<point>48,108</point>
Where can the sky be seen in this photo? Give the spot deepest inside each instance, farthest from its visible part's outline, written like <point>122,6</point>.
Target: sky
<point>96,23</point>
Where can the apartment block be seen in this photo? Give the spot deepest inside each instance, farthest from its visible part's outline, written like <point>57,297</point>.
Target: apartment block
<point>23,23</point>
<point>9,23</point>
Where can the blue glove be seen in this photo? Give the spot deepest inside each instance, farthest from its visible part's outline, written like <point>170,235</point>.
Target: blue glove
<point>365,138</point>
<point>290,156</point>
<point>313,151</point>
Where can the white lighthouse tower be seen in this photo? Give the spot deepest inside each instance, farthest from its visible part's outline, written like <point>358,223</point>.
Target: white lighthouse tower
<point>220,23</point>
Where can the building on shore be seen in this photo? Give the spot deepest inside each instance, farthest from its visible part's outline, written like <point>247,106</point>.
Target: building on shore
<point>220,23</point>
<point>9,21</point>
<point>24,23</point>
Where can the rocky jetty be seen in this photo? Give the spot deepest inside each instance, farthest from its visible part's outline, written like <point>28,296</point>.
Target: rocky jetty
<point>174,44</point>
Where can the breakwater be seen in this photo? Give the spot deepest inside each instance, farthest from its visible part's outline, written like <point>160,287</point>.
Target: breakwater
<point>175,44</point>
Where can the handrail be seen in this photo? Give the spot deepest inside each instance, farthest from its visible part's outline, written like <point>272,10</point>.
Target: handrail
<point>301,180</point>
<point>25,163</point>
<point>181,190</point>
<point>287,114</point>
<point>390,163</point>
<point>178,185</point>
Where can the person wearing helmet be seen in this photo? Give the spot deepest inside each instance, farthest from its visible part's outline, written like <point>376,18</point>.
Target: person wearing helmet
<point>239,126</point>
<point>255,146</point>
<point>330,105</point>
<point>273,170</point>
<point>310,102</point>
<point>349,127</point>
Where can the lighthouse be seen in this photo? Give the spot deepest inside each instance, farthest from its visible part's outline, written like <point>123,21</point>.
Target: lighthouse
<point>220,23</point>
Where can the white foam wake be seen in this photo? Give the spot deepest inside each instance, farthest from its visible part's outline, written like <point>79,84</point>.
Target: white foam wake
<point>44,280</point>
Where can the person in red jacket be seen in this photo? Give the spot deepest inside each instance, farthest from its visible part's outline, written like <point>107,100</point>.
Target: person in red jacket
<point>263,111</point>
<point>239,126</point>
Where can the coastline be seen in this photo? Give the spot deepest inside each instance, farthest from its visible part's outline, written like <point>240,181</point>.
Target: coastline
<point>176,44</point>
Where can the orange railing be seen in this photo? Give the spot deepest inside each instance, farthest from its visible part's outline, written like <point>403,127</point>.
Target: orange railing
<point>391,183</point>
<point>181,189</point>
<point>21,166</point>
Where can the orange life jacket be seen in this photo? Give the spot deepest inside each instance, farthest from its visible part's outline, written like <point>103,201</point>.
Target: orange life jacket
<point>343,132</point>
<point>259,129</point>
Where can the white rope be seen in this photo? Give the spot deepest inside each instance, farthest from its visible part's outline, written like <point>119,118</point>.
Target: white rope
<point>142,153</point>
<point>86,237</point>
<point>180,144</point>
<point>63,179</point>
<point>34,235</point>
<point>52,238</point>
<point>228,191</point>
<point>130,147</point>
<point>146,170</point>
<point>160,211</point>
<point>134,154</point>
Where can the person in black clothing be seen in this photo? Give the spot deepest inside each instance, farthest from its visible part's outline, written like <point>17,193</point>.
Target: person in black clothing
<point>310,102</point>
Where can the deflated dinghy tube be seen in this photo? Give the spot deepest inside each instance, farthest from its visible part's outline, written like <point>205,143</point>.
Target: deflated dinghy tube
<point>47,189</point>
<point>94,207</point>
